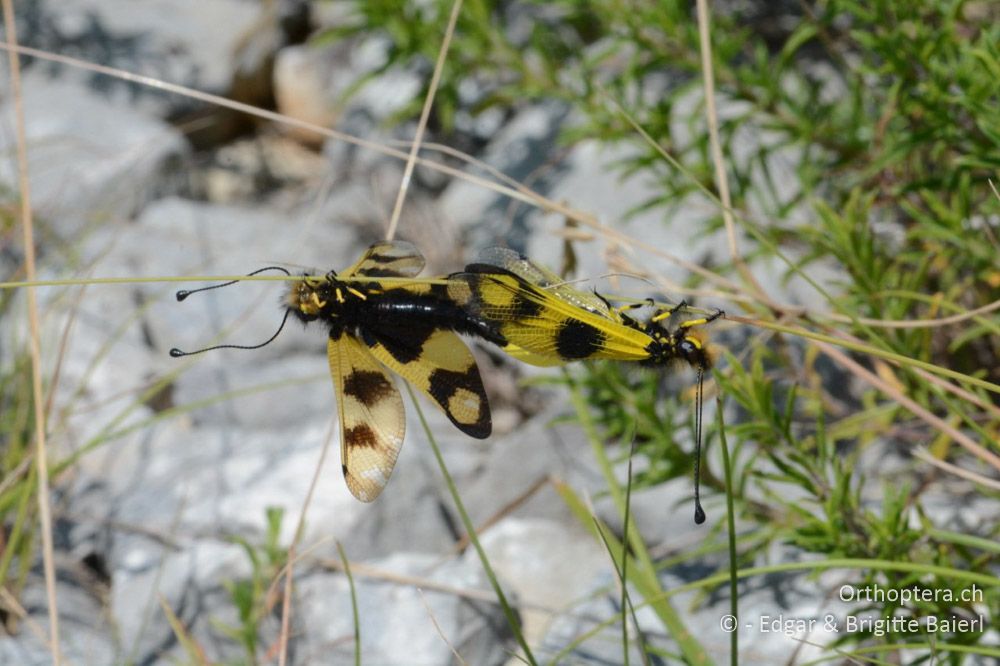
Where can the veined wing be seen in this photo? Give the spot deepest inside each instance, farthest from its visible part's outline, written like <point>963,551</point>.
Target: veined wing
<point>520,265</point>
<point>438,363</point>
<point>372,418</point>
<point>544,329</point>
<point>396,258</point>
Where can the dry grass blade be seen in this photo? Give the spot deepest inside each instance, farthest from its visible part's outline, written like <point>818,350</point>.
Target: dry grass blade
<point>27,228</point>
<point>721,180</point>
<point>15,474</point>
<point>10,604</point>
<point>368,571</point>
<point>437,628</point>
<point>964,440</point>
<point>511,189</point>
<point>919,323</point>
<point>411,159</point>
<point>194,651</point>
<point>945,466</point>
<point>286,603</point>
<point>843,341</point>
<point>518,194</point>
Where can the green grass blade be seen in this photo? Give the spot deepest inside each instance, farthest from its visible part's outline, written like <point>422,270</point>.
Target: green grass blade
<point>644,580</point>
<point>734,641</point>
<point>354,604</point>
<point>508,611</point>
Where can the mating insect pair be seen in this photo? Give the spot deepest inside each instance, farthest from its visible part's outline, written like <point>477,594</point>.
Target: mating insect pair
<point>378,322</point>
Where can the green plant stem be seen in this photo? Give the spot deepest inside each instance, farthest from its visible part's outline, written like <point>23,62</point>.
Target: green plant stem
<point>645,580</point>
<point>734,641</point>
<point>470,529</point>
<point>354,604</point>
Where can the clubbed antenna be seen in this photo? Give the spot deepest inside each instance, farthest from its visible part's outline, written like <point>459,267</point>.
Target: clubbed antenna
<point>184,293</point>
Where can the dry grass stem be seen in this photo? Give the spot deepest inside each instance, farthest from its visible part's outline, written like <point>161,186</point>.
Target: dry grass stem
<point>411,159</point>
<point>34,342</point>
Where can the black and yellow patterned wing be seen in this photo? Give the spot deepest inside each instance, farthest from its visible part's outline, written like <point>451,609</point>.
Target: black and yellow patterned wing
<point>396,258</point>
<point>437,362</point>
<point>520,265</point>
<point>372,418</point>
<point>548,327</point>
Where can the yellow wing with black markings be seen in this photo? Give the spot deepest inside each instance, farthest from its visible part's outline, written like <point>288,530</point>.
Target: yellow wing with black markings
<point>540,276</point>
<point>544,321</point>
<point>441,367</point>
<point>396,258</point>
<point>431,358</point>
<point>377,325</point>
<point>547,327</point>
<point>372,418</point>
<point>434,360</point>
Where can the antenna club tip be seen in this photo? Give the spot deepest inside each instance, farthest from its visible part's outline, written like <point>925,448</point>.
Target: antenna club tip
<point>699,515</point>
<point>182,294</point>
<point>176,353</point>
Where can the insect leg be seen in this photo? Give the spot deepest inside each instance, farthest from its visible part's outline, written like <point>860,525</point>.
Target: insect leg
<point>701,321</point>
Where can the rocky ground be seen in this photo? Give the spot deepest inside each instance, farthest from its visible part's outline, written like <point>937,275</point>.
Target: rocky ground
<point>185,456</point>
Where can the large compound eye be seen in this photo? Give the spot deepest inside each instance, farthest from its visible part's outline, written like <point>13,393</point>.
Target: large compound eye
<point>688,348</point>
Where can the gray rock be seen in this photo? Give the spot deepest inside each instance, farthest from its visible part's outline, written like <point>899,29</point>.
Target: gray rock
<point>188,580</point>
<point>663,514</point>
<point>577,635</point>
<point>24,651</point>
<point>196,239</point>
<point>333,85</point>
<point>423,625</point>
<point>85,633</point>
<point>772,612</point>
<point>761,601</point>
<point>89,159</point>
<point>544,564</point>
<point>224,47</point>
<point>266,166</point>
<point>523,145</point>
<point>515,462</point>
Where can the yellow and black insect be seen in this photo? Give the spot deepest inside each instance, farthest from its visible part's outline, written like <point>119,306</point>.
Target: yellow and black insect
<point>376,325</point>
<point>544,321</point>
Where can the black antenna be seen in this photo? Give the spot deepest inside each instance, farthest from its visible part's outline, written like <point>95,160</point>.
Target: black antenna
<point>699,512</point>
<point>184,293</point>
<point>177,353</point>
